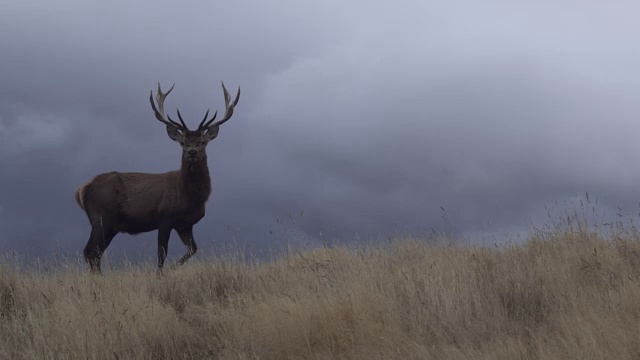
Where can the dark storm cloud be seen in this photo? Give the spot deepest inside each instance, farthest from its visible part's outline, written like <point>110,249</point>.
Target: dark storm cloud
<point>366,117</point>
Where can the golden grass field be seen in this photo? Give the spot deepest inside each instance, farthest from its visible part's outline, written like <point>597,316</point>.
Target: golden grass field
<point>563,294</point>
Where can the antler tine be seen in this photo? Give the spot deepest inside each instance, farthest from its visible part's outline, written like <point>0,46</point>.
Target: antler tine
<point>229,108</point>
<point>159,110</point>
<point>205,118</point>
<point>203,125</point>
<point>180,117</point>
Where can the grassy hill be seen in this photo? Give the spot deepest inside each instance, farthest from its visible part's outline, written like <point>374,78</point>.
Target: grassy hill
<point>564,294</point>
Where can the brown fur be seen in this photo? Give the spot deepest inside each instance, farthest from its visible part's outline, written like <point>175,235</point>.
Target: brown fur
<point>134,203</point>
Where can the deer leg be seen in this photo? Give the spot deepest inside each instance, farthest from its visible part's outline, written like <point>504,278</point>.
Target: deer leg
<point>164,232</point>
<point>101,235</point>
<point>186,235</point>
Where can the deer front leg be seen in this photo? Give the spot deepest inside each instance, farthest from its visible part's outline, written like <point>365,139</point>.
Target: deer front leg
<point>164,232</point>
<point>186,235</point>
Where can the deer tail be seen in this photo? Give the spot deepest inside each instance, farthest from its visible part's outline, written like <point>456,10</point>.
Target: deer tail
<point>80,194</point>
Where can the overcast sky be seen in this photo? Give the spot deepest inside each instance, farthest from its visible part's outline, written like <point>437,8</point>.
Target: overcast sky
<point>368,116</point>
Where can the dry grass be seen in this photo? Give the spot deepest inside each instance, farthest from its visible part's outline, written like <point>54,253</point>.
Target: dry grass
<point>561,295</point>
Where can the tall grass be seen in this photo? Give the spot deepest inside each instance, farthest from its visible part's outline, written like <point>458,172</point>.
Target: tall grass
<point>566,293</point>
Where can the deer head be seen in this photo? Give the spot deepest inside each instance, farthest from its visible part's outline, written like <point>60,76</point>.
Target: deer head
<point>193,142</point>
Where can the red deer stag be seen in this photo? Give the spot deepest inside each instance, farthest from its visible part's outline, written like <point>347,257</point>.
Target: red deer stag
<point>137,202</point>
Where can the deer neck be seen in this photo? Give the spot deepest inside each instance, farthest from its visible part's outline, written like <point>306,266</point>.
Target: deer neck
<point>195,179</point>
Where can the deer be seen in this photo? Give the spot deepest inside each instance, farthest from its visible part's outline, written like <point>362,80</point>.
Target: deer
<point>134,203</point>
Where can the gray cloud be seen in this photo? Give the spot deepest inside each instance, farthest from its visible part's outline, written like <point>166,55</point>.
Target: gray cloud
<point>368,117</point>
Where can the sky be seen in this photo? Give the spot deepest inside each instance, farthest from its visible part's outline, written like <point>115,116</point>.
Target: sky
<point>358,119</point>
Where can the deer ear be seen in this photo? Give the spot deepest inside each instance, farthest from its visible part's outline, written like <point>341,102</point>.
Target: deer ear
<point>212,132</point>
<point>174,134</point>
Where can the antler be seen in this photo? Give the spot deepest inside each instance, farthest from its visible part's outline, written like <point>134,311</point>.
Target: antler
<point>228,112</point>
<point>159,111</point>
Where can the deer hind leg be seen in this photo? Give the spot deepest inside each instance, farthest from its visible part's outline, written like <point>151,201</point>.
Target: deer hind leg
<point>102,233</point>
<point>186,235</point>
